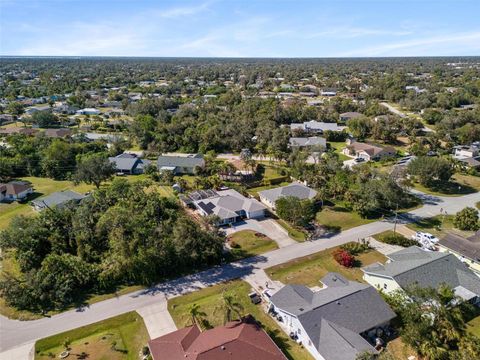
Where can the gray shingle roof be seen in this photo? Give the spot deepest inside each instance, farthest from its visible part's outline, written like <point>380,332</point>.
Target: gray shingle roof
<point>426,269</point>
<point>468,247</point>
<point>335,317</point>
<point>308,141</point>
<point>316,126</point>
<point>296,190</point>
<point>180,161</point>
<point>58,199</point>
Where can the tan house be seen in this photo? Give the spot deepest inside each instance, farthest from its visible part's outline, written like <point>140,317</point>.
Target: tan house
<point>368,152</point>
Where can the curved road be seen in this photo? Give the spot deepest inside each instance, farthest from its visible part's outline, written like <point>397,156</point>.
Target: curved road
<point>15,333</point>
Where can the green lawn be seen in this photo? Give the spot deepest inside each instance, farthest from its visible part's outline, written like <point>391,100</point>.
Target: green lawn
<point>294,232</point>
<point>340,218</point>
<point>438,225</point>
<point>473,326</point>
<point>338,146</point>
<point>310,269</point>
<point>246,243</point>
<point>255,190</point>
<point>210,302</point>
<point>127,331</point>
<point>459,185</point>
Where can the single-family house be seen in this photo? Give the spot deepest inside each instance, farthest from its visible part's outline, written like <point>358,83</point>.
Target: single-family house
<point>316,127</point>
<point>414,266</point>
<point>18,130</point>
<point>349,115</point>
<point>328,92</point>
<point>57,199</point>
<point>313,141</point>
<point>180,163</point>
<point>88,111</point>
<point>466,249</point>
<point>58,133</point>
<point>237,340</point>
<point>15,191</point>
<point>300,191</point>
<point>368,151</point>
<point>129,164</point>
<point>229,205</point>
<point>337,322</point>
<point>466,151</point>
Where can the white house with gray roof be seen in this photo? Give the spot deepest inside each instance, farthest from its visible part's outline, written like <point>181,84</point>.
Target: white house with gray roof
<point>317,127</point>
<point>414,266</point>
<point>180,163</point>
<point>337,322</point>
<point>313,141</point>
<point>129,164</point>
<point>230,206</point>
<point>298,190</point>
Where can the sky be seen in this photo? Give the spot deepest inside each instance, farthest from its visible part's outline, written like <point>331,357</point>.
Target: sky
<point>240,28</point>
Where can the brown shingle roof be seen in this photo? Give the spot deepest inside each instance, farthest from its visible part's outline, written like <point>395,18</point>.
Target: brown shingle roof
<point>14,187</point>
<point>235,341</point>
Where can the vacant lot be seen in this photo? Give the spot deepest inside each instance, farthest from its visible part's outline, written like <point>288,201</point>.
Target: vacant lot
<point>117,338</point>
<point>310,269</point>
<point>295,233</point>
<point>210,302</point>
<point>248,243</point>
<point>339,218</point>
<point>459,185</point>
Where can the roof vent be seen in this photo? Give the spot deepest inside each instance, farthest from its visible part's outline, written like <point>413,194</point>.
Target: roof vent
<point>301,309</point>
<point>338,302</point>
<point>223,347</point>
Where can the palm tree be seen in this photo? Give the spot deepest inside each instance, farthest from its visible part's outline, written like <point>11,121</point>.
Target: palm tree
<point>196,315</point>
<point>230,307</point>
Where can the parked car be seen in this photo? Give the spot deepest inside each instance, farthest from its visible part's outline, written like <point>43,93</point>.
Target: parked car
<point>255,298</point>
<point>422,236</point>
<point>359,159</point>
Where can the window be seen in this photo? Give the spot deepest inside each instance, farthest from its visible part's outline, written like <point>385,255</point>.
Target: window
<point>385,286</point>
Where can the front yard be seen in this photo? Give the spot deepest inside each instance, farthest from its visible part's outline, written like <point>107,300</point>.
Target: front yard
<point>310,269</point>
<point>246,243</point>
<point>118,338</point>
<point>438,225</point>
<point>210,302</point>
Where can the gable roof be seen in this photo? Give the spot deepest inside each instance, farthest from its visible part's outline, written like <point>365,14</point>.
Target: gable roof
<point>181,161</point>
<point>316,126</point>
<point>236,341</point>
<point>426,269</point>
<point>468,247</point>
<point>14,187</point>
<point>297,190</point>
<point>370,149</point>
<point>335,316</point>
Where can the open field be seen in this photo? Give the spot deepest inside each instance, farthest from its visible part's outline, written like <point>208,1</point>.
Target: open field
<point>210,302</point>
<point>340,218</point>
<point>310,269</point>
<point>117,338</point>
<point>247,243</point>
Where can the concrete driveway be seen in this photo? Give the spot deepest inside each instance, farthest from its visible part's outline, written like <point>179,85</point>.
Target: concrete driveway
<point>157,319</point>
<point>265,226</point>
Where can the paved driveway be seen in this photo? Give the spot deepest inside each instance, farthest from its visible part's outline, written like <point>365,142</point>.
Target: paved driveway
<point>265,226</point>
<point>157,319</point>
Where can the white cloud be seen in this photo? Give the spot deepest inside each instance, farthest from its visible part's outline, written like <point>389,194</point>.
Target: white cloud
<point>440,44</point>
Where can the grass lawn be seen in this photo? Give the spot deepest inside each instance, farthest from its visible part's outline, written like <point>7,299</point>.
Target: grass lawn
<point>400,350</point>
<point>250,244</point>
<point>338,146</point>
<point>473,326</point>
<point>439,226</point>
<point>210,302</point>
<point>459,185</point>
<point>340,218</point>
<point>295,233</point>
<point>310,269</point>
<point>127,330</point>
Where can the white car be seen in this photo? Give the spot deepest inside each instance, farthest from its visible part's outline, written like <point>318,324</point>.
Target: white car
<point>425,237</point>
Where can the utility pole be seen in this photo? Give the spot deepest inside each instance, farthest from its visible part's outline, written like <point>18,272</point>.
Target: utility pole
<point>395,223</point>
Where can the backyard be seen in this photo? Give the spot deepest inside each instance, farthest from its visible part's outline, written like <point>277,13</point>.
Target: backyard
<point>210,302</point>
<point>248,243</point>
<point>117,338</point>
<point>310,269</point>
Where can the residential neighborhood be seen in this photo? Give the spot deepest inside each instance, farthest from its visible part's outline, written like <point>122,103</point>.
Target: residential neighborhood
<point>212,181</point>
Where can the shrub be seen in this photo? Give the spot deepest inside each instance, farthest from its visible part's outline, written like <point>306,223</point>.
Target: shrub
<point>466,219</point>
<point>344,258</point>
<point>396,239</point>
<point>234,245</point>
<point>355,248</point>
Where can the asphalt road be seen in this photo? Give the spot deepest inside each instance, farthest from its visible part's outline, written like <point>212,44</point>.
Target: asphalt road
<point>14,333</point>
